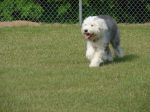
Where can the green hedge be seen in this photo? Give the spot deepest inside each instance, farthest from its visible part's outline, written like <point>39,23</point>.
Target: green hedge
<point>130,11</point>
<point>19,9</point>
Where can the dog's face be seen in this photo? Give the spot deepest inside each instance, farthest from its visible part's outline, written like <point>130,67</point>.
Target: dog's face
<point>93,27</point>
<point>90,28</point>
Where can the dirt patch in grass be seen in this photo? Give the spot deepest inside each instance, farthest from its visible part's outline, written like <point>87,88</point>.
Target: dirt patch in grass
<point>147,23</point>
<point>18,23</point>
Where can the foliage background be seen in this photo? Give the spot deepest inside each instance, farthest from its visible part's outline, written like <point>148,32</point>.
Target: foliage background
<point>124,11</point>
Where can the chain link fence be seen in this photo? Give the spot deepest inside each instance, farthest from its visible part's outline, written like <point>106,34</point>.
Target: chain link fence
<point>73,11</point>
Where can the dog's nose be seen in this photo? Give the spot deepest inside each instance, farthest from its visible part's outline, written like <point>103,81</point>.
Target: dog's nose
<point>86,31</point>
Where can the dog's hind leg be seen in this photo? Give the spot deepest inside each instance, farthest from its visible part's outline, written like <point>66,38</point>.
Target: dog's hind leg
<point>107,54</point>
<point>116,45</point>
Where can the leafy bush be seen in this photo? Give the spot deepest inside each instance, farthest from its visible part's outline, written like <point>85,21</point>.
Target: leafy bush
<point>19,9</point>
<point>129,11</point>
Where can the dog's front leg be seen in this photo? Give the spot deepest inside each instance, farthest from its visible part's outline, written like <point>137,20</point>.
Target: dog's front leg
<point>90,51</point>
<point>97,58</point>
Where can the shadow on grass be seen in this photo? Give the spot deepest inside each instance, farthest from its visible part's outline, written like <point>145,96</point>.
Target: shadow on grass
<point>129,57</point>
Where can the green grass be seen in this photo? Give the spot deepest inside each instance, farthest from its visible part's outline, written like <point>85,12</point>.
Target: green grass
<point>43,69</point>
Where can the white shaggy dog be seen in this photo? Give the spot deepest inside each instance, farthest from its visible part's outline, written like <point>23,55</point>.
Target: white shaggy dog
<point>99,31</point>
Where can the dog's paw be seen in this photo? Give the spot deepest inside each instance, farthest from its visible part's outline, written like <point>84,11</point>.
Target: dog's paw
<point>91,65</point>
<point>110,58</point>
<point>96,64</point>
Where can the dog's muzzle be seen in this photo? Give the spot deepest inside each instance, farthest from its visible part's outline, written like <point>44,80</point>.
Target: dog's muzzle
<point>88,36</point>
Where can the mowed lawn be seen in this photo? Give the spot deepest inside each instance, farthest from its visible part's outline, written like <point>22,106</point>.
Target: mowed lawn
<point>44,69</point>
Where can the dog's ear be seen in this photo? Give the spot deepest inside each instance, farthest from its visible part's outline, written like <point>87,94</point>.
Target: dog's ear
<point>103,25</point>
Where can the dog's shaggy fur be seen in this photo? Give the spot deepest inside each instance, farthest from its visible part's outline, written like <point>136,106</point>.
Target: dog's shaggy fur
<point>99,31</point>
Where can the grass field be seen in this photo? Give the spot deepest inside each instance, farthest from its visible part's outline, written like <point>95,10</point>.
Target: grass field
<point>43,69</point>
